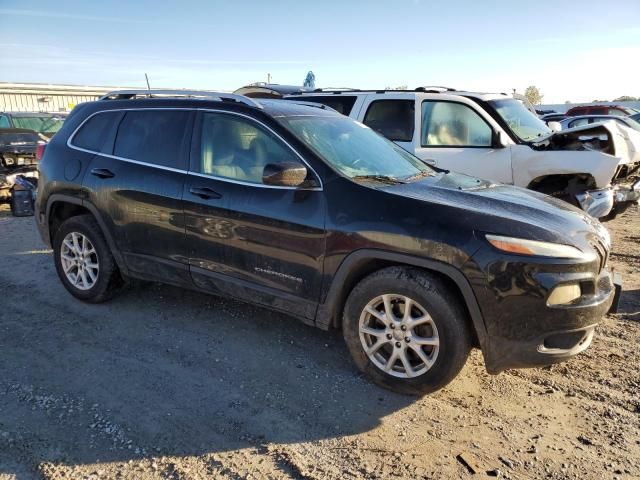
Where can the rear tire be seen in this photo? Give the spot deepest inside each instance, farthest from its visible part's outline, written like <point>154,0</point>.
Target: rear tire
<point>421,349</point>
<point>84,261</point>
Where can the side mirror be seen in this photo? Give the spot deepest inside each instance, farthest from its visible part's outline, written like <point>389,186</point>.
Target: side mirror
<point>284,174</point>
<point>500,140</point>
<point>554,126</point>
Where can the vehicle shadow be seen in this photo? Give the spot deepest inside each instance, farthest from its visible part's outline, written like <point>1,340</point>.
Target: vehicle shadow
<point>163,371</point>
<point>630,304</point>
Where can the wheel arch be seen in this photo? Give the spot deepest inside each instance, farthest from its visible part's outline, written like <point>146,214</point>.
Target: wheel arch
<point>61,207</point>
<point>362,263</point>
<point>567,183</point>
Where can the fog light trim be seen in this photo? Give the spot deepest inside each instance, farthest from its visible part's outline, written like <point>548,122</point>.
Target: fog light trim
<point>564,294</point>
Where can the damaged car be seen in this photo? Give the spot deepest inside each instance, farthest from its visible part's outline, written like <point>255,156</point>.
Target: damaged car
<point>20,150</point>
<point>495,137</point>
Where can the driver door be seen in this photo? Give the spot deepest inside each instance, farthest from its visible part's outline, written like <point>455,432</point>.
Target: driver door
<point>456,137</point>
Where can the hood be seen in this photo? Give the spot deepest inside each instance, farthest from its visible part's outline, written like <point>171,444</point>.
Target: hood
<point>607,137</point>
<point>534,215</point>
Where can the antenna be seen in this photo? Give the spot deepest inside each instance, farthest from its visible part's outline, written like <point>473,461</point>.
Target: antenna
<point>146,77</point>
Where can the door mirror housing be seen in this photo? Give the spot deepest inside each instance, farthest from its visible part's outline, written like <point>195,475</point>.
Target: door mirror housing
<point>285,174</point>
<point>500,140</point>
<point>554,126</point>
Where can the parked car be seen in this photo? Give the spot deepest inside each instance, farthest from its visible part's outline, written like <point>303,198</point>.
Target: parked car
<point>579,121</point>
<point>494,136</point>
<point>600,110</point>
<point>268,90</point>
<point>45,124</point>
<point>553,117</point>
<point>307,212</point>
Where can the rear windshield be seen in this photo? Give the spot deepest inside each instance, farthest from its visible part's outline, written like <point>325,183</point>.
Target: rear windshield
<point>39,123</point>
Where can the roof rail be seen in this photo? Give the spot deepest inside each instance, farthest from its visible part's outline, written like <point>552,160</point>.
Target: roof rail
<point>220,96</point>
<point>435,89</point>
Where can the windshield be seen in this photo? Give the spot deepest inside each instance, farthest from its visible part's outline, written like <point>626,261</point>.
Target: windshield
<point>522,122</point>
<point>354,149</point>
<point>40,124</point>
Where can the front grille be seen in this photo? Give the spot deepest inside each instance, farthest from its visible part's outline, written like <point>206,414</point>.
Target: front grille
<point>603,254</point>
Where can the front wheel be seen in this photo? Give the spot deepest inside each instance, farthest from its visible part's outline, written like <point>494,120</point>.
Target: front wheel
<point>406,330</point>
<point>84,261</point>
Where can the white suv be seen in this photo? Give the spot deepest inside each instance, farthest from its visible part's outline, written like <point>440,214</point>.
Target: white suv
<point>494,136</point>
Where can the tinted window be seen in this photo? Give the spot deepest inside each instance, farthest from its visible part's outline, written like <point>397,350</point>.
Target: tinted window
<point>236,148</point>
<point>4,122</point>
<point>394,119</point>
<point>340,103</point>
<point>598,111</point>
<point>153,136</point>
<point>97,133</point>
<point>453,124</point>
<point>616,111</point>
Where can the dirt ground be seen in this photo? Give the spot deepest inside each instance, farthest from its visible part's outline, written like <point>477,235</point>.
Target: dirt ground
<point>165,383</point>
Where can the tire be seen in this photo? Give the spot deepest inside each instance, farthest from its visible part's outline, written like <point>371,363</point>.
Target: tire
<point>107,280</point>
<point>430,297</point>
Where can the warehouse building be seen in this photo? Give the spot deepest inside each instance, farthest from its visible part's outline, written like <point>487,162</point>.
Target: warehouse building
<point>35,97</point>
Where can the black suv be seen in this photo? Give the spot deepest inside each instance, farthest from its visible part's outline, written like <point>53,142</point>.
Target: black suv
<point>302,210</point>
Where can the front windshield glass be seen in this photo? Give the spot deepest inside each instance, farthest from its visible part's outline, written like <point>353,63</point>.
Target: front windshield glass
<point>40,124</point>
<point>522,122</point>
<point>354,149</point>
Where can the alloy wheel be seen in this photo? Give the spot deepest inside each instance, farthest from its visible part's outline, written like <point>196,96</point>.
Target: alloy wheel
<point>79,261</point>
<point>399,336</point>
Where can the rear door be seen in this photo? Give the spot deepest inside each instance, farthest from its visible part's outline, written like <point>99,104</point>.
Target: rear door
<point>260,243</point>
<point>393,116</point>
<point>136,181</point>
<point>456,137</point>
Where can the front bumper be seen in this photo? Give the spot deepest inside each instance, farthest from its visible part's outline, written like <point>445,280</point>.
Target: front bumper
<point>522,328</point>
<point>600,203</point>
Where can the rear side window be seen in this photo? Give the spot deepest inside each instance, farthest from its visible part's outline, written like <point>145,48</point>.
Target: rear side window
<point>4,122</point>
<point>340,103</point>
<point>153,136</point>
<point>96,134</point>
<point>395,119</point>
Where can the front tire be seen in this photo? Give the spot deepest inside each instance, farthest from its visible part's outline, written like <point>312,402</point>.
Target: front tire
<point>84,261</point>
<point>406,330</point>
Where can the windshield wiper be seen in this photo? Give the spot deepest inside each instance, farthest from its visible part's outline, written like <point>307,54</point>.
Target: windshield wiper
<point>379,178</point>
<point>416,176</point>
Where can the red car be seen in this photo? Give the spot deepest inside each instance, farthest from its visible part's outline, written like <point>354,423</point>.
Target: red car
<point>601,110</point>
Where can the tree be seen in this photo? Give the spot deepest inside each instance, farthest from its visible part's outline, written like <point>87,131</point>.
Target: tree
<point>533,95</point>
<point>625,98</point>
<point>310,80</point>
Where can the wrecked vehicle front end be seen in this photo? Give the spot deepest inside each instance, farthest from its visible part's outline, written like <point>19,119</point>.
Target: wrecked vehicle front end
<point>613,183</point>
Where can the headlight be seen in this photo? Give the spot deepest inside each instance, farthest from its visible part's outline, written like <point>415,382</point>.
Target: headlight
<point>522,246</point>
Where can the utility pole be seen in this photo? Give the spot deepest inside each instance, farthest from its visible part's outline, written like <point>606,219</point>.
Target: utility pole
<point>268,78</point>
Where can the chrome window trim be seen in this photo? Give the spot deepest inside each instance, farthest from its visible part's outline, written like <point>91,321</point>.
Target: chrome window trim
<point>189,172</point>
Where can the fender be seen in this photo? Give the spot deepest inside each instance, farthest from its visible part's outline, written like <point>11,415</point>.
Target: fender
<point>59,197</point>
<point>327,311</point>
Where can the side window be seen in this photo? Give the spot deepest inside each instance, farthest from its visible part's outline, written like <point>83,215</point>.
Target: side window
<point>448,124</point>
<point>598,111</point>
<point>96,134</point>
<point>615,111</point>
<point>153,136</point>
<point>395,119</point>
<point>4,122</point>
<point>340,103</point>
<point>236,148</point>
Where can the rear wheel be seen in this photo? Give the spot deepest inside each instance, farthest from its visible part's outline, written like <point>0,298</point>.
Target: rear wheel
<point>406,330</point>
<point>84,261</point>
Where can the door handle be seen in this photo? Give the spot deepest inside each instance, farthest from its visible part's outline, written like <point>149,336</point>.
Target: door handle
<point>102,173</point>
<point>204,192</point>
<point>430,161</point>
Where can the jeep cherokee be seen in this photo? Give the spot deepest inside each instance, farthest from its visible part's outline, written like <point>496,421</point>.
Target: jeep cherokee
<point>305,211</point>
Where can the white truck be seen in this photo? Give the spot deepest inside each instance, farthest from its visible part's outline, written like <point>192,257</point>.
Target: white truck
<point>495,137</point>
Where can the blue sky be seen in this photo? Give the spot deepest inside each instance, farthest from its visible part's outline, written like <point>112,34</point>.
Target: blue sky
<point>572,50</point>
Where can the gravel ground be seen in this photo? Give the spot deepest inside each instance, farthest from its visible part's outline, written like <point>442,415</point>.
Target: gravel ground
<point>165,383</point>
